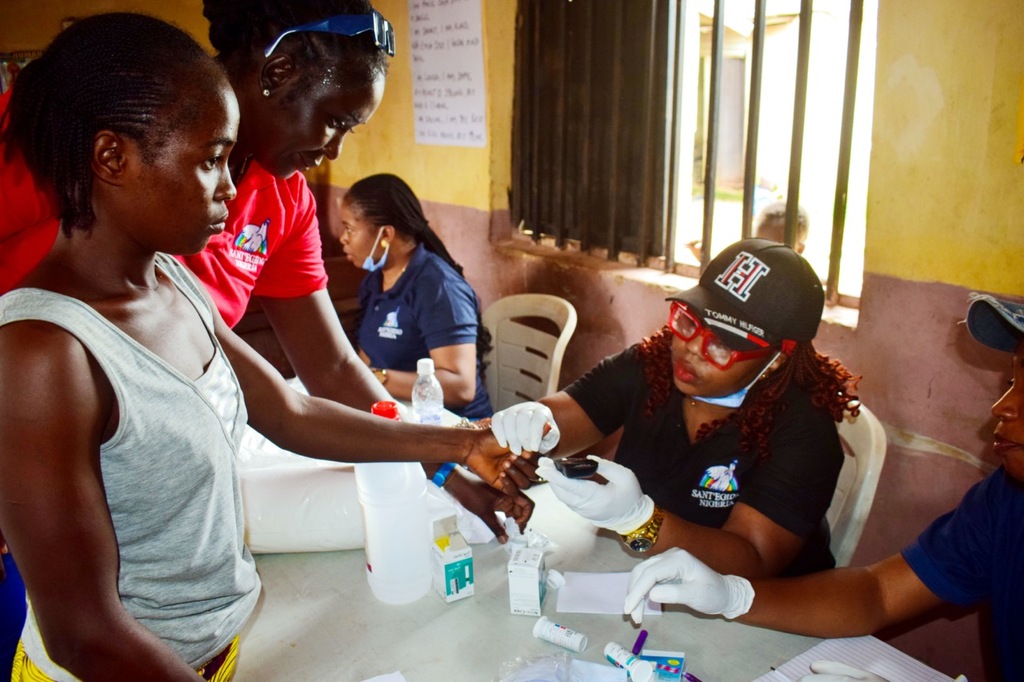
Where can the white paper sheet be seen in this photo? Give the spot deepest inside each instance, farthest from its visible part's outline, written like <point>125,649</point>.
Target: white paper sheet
<point>866,653</point>
<point>597,593</point>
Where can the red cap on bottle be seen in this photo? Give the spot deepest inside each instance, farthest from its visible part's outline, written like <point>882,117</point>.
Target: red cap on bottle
<point>385,408</point>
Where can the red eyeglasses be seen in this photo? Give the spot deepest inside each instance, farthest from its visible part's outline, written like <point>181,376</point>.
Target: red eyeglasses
<point>686,326</point>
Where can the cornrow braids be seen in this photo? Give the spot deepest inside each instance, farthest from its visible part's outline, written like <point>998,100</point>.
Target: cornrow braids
<point>830,385</point>
<point>386,199</point>
<point>119,72</point>
<point>246,27</point>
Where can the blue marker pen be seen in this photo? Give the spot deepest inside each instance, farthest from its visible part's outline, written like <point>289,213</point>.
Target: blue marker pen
<point>691,678</point>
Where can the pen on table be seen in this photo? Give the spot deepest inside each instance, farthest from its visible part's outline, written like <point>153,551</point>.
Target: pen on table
<point>690,678</point>
<point>638,645</point>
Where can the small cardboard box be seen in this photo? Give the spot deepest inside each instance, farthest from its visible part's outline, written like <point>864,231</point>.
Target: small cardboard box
<point>668,665</point>
<point>526,581</point>
<point>451,560</point>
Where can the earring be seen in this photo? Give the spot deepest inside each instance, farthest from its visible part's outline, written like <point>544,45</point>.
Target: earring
<point>266,92</point>
<point>384,243</point>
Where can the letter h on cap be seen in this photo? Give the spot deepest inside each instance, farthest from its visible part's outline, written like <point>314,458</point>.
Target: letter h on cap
<point>739,278</point>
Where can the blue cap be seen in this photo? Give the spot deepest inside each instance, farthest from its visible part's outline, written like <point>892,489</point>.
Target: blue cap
<point>994,322</point>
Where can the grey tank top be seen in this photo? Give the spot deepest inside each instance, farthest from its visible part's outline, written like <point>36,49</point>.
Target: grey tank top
<point>170,476</point>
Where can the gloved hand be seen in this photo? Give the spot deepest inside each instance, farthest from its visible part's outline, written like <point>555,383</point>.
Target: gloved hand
<point>619,505</point>
<point>521,427</point>
<point>678,577</point>
<point>834,671</point>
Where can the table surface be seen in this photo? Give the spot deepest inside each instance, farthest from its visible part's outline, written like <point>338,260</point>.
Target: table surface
<point>318,620</point>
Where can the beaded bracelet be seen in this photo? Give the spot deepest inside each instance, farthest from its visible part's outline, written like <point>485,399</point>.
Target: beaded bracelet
<point>443,473</point>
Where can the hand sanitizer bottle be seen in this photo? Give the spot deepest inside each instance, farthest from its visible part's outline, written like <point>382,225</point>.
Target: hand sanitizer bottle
<point>394,502</point>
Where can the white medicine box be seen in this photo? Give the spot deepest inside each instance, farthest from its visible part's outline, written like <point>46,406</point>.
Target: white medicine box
<point>451,560</point>
<point>526,581</point>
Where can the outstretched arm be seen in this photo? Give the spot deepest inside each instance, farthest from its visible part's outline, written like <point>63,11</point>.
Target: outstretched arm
<point>327,430</point>
<point>842,602</point>
<point>311,335</point>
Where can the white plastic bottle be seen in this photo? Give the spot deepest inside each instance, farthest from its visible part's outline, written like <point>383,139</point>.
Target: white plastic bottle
<point>427,396</point>
<point>396,524</point>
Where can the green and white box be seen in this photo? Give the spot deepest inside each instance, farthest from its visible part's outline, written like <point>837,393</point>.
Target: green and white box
<point>526,581</point>
<point>452,561</point>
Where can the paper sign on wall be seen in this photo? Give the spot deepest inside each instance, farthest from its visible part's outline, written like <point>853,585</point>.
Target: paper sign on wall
<point>448,93</point>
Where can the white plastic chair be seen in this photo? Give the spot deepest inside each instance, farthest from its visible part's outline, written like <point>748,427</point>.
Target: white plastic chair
<point>864,443</point>
<point>526,359</point>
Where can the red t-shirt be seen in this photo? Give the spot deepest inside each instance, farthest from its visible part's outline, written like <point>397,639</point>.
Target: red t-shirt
<point>28,217</point>
<point>271,246</point>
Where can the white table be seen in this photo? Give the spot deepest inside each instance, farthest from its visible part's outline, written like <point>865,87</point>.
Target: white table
<point>317,619</point>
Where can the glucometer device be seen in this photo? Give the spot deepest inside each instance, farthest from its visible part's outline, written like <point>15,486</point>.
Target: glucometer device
<point>577,466</point>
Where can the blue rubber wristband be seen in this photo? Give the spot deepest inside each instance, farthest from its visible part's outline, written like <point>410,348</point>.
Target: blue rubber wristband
<point>443,473</point>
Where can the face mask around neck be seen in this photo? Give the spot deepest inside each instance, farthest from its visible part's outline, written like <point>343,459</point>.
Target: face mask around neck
<point>368,263</point>
<point>735,399</point>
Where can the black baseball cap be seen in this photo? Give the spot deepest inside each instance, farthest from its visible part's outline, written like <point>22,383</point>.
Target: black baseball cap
<point>757,293</point>
<point>995,322</point>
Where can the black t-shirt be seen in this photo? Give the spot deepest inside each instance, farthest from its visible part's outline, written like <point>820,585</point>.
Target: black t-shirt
<point>700,482</point>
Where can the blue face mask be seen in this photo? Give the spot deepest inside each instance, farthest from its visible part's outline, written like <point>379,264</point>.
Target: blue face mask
<point>368,263</point>
<point>735,399</point>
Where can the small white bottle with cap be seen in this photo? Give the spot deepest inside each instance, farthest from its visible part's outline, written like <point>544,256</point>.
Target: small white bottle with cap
<point>552,632</point>
<point>639,670</point>
<point>427,395</point>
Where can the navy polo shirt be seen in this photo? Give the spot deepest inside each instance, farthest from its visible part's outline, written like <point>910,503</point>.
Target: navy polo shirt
<point>430,306</point>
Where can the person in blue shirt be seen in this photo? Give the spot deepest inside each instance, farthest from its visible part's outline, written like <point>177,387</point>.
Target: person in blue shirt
<point>973,553</point>
<point>415,301</point>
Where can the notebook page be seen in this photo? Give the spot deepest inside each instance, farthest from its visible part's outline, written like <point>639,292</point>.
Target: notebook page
<point>866,653</point>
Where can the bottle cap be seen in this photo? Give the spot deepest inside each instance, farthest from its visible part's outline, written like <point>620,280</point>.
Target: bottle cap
<point>385,408</point>
<point>425,366</point>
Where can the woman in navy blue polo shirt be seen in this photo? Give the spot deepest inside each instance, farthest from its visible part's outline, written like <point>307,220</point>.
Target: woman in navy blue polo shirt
<point>415,301</point>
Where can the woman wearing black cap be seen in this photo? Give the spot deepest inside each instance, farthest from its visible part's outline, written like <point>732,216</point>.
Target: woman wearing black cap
<point>728,414</point>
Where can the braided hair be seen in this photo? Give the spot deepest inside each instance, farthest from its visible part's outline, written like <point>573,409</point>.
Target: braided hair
<point>243,27</point>
<point>127,73</point>
<point>386,199</point>
<point>830,385</point>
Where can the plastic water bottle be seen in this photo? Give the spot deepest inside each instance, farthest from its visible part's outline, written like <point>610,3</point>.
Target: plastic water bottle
<point>427,396</point>
<point>396,524</point>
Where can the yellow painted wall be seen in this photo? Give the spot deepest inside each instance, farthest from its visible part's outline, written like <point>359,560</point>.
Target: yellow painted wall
<point>453,175</point>
<point>473,177</point>
<point>946,196</point>
<point>31,24</point>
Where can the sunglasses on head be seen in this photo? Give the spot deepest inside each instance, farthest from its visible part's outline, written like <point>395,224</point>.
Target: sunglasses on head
<point>346,25</point>
<point>685,325</point>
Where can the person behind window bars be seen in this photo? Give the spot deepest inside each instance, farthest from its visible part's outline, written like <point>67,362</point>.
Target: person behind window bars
<point>770,224</point>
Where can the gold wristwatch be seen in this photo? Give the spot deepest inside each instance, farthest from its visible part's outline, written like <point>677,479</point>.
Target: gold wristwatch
<point>381,374</point>
<point>644,537</point>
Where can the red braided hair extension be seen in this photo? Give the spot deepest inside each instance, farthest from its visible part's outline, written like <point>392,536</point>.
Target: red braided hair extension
<point>830,385</point>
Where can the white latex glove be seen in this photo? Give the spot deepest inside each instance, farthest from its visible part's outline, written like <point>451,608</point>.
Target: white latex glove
<point>619,505</point>
<point>678,577</point>
<point>834,671</point>
<point>521,427</point>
